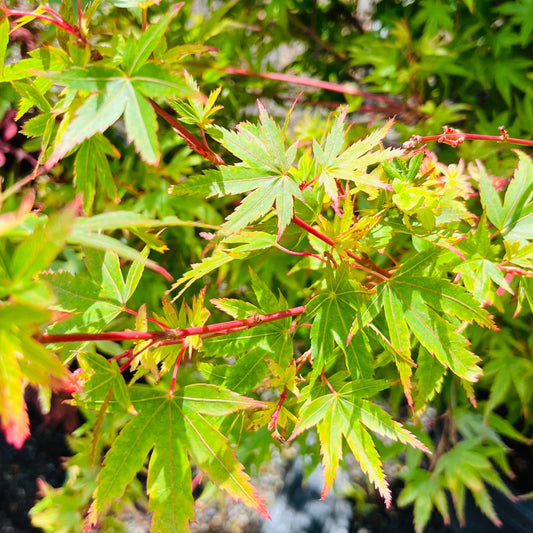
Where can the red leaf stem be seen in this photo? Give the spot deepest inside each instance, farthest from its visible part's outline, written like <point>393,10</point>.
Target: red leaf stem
<point>306,254</point>
<point>327,383</point>
<point>54,18</point>
<point>175,372</point>
<point>360,262</point>
<point>153,320</point>
<point>131,357</point>
<point>273,424</point>
<point>193,142</point>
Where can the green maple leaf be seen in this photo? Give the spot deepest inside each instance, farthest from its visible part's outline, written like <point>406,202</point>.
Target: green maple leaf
<point>118,92</point>
<point>520,14</point>
<point>175,427</point>
<point>510,73</point>
<point>508,372</point>
<point>80,296</point>
<point>334,309</point>
<point>35,253</point>
<point>265,172</point>
<point>23,360</point>
<point>88,232</point>
<point>467,466</point>
<point>105,375</point>
<point>352,163</point>
<point>93,300</point>
<point>430,308</point>
<point>429,376</point>
<point>479,266</point>
<point>347,414</point>
<point>248,242</point>
<point>425,491</point>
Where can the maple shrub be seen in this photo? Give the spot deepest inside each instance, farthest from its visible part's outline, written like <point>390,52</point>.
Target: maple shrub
<point>207,290</point>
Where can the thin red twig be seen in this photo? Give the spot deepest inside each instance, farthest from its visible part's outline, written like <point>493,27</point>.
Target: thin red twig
<point>360,262</point>
<point>454,137</point>
<point>54,18</point>
<point>305,254</point>
<point>193,142</point>
<point>175,372</point>
<point>327,85</point>
<point>273,424</point>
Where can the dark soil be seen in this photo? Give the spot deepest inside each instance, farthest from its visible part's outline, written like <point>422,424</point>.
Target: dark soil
<point>40,457</point>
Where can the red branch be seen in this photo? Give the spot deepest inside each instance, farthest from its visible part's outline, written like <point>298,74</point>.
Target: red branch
<point>394,106</point>
<point>173,336</point>
<point>454,137</point>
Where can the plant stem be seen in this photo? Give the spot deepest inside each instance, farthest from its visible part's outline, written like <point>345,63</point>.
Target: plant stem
<point>175,372</point>
<point>173,336</point>
<point>193,142</point>
<point>393,105</point>
<point>54,18</point>
<point>360,262</point>
<point>454,137</point>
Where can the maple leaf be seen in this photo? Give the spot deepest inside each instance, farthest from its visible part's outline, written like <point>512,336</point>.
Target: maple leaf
<point>23,359</point>
<point>425,491</point>
<point>512,217</point>
<point>93,300</point>
<point>508,372</point>
<point>265,172</point>
<point>429,376</point>
<point>352,163</point>
<point>248,242</point>
<point>334,309</point>
<point>479,265</point>
<point>467,466</point>
<point>104,376</point>
<point>118,92</point>
<point>430,308</point>
<point>174,427</point>
<point>346,413</point>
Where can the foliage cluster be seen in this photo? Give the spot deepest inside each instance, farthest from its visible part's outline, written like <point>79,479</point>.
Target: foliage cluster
<point>377,294</point>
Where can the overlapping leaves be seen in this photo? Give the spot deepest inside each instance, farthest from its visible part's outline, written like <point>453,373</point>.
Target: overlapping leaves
<point>432,309</point>
<point>347,414</point>
<point>352,163</point>
<point>23,359</point>
<point>513,217</point>
<point>334,309</point>
<point>252,349</point>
